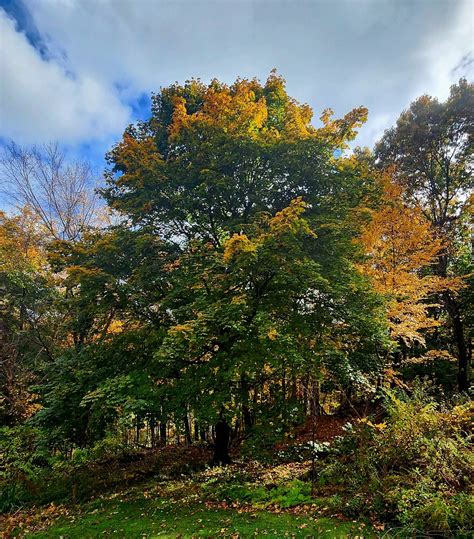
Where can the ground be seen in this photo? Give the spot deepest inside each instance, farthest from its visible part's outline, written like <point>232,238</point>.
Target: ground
<point>178,509</point>
<point>142,517</point>
<point>172,493</point>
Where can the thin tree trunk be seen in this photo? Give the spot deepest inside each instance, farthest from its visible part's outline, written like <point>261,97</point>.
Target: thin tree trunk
<point>187,430</point>
<point>294,389</point>
<point>313,456</point>
<point>152,424</point>
<point>452,308</point>
<point>137,432</point>
<point>305,397</point>
<point>247,415</point>
<point>458,333</point>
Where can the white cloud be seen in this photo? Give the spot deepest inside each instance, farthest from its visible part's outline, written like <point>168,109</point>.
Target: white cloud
<point>374,129</point>
<point>448,54</point>
<point>142,44</point>
<point>339,54</point>
<point>40,101</point>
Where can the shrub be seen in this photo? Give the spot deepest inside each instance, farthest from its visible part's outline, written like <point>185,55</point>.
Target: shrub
<point>272,426</point>
<point>30,473</point>
<point>303,452</point>
<point>23,458</point>
<point>413,467</point>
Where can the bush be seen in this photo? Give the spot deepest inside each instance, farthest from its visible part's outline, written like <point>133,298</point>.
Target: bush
<point>24,459</point>
<point>29,473</point>
<point>414,467</point>
<point>272,426</point>
<point>303,452</point>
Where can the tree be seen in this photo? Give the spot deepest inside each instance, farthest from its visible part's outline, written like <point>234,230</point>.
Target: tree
<point>260,307</point>
<point>25,295</point>
<point>400,247</point>
<point>232,270</point>
<point>60,194</point>
<point>111,282</point>
<point>431,147</point>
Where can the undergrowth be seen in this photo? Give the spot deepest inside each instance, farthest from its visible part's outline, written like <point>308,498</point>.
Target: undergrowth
<point>415,467</point>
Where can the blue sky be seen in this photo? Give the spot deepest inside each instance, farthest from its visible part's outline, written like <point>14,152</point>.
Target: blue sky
<point>79,71</point>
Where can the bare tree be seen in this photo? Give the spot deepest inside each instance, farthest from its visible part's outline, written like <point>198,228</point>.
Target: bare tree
<point>60,193</point>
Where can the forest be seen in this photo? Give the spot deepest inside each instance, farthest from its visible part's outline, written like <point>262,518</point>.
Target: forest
<point>250,326</point>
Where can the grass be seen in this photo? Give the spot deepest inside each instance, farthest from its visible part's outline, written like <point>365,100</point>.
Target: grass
<point>236,501</point>
<point>161,517</point>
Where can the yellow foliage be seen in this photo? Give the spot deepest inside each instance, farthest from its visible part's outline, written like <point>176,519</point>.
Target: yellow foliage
<point>378,426</point>
<point>288,219</point>
<point>116,326</point>
<point>272,334</point>
<point>399,247</point>
<point>392,378</point>
<point>238,244</point>
<point>432,355</point>
<point>138,157</point>
<point>21,246</point>
<point>181,328</point>
<point>235,109</point>
<point>245,109</point>
<point>180,116</point>
<point>267,369</point>
<point>343,129</point>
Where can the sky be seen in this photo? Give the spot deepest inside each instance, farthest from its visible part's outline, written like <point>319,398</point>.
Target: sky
<point>80,71</point>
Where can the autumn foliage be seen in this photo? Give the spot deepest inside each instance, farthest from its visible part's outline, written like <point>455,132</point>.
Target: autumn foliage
<point>247,273</point>
<point>400,248</point>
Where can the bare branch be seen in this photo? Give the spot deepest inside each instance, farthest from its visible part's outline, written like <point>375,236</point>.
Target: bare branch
<point>60,193</point>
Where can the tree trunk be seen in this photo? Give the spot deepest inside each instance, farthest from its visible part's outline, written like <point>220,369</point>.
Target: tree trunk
<point>247,418</point>
<point>163,432</point>
<point>246,413</point>
<point>294,389</point>
<point>452,308</point>
<point>152,424</point>
<point>458,333</point>
<point>137,432</point>
<point>187,430</point>
<point>305,395</point>
<point>221,446</point>
<point>316,398</point>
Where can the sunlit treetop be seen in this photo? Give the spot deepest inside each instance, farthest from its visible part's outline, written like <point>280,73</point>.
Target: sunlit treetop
<point>228,150</point>
<point>21,242</point>
<point>245,108</point>
<point>248,108</point>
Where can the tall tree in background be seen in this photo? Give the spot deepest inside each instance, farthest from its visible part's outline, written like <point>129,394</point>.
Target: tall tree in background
<point>400,246</point>
<point>431,147</point>
<point>61,194</point>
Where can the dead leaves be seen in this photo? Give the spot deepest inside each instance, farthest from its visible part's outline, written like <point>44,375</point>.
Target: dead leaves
<point>35,519</point>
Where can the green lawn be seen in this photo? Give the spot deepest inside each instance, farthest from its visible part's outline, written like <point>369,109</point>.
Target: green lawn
<point>167,518</point>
